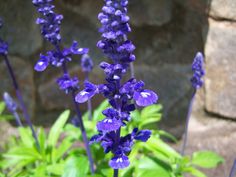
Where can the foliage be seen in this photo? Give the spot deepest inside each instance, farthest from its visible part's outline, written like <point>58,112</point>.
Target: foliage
<point>61,156</point>
<point>153,158</point>
<point>23,159</point>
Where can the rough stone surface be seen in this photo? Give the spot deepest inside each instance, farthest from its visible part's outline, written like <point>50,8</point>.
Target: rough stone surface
<point>24,75</point>
<point>89,9</point>
<point>221,142</point>
<point>223,9</point>
<point>220,81</point>
<point>171,82</point>
<point>20,30</point>
<point>174,43</point>
<point>151,12</point>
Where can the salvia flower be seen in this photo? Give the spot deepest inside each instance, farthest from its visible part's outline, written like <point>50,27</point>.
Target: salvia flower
<point>122,95</point>
<point>50,29</point>
<point>198,71</point>
<point>197,83</point>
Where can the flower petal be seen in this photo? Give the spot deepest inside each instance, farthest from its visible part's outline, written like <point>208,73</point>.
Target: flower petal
<point>145,98</point>
<point>108,125</point>
<point>119,162</point>
<point>41,65</point>
<point>84,96</point>
<point>143,135</point>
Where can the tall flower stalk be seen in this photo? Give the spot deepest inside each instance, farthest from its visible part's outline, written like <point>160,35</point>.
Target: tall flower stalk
<point>87,67</point>
<point>121,94</point>
<point>197,83</point>
<point>50,29</point>
<point>4,54</point>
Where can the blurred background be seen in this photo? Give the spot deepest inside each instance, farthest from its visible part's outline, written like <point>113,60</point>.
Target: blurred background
<point>167,34</point>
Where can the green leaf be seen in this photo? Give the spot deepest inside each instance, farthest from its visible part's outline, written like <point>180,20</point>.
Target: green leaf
<point>40,171</point>
<point>57,128</point>
<point>152,167</point>
<point>206,159</point>
<point>147,112</point>
<point>195,172</point>
<point>76,167</point>
<point>56,169</point>
<point>42,141</point>
<point>167,135</point>
<point>26,137</point>
<point>62,149</point>
<point>149,121</point>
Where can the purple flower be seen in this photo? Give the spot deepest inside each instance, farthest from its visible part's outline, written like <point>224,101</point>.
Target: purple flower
<point>109,124</point>
<point>143,135</point>
<point>145,98</point>
<point>198,71</point>
<point>121,95</point>
<point>86,94</point>
<point>119,162</point>
<point>68,84</point>
<point>86,63</point>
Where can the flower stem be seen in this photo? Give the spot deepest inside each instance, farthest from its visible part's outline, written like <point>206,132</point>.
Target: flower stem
<point>185,139</point>
<point>132,70</point>
<point>84,135</point>
<point>233,170</point>
<point>20,98</point>
<point>116,173</point>
<point>81,124</point>
<point>89,104</point>
<point>17,118</point>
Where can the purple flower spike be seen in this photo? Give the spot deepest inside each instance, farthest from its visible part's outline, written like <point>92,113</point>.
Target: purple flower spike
<point>119,162</point>
<point>108,125</point>
<point>145,98</point>
<point>198,71</point>
<point>121,94</point>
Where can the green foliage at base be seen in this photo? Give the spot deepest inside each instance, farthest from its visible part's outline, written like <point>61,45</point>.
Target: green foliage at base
<point>62,153</point>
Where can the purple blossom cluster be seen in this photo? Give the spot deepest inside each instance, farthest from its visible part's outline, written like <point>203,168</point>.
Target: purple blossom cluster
<point>198,71</point>
<point>50,29</point>
<point>123,96</point>
<point>57,57</point>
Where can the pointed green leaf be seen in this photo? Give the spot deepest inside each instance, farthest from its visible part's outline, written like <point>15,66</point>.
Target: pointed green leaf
<point>76,167</point>
<point>206,159</point>
<point>57,128</point>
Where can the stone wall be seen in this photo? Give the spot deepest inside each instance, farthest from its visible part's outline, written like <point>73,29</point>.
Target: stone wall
<point>167,34</point>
